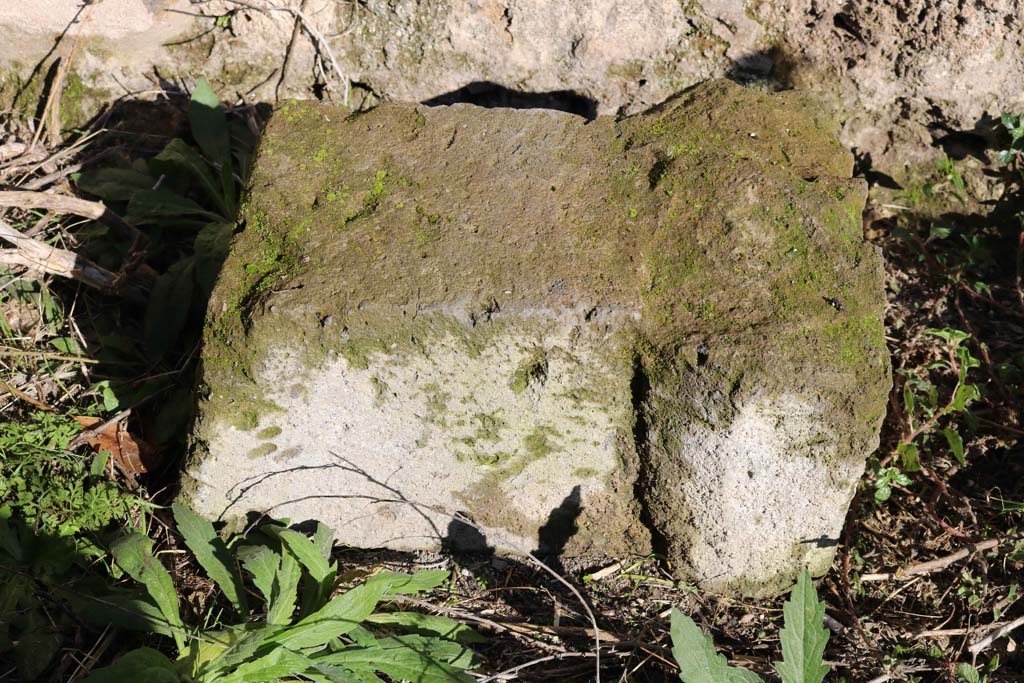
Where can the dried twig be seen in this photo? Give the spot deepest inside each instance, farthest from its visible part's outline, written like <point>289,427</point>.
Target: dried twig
<point>986,642</point>
<point>85,208</point>
<point>296,31</point>
<point>38,255</point>
<point>318,39</point>
<point>937,564</point>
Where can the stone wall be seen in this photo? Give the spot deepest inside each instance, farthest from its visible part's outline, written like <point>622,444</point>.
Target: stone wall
<point>906,72</point>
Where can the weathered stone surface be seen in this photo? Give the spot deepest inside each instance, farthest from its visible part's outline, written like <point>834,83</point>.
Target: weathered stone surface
<point>907,71</point>
<point>668,323</point>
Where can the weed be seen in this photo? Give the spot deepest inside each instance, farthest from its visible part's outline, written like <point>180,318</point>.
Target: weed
<point>803,644</point>
<point>301,629</point>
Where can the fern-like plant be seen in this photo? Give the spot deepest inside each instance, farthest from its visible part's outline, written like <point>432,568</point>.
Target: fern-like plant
<point>803,644</point>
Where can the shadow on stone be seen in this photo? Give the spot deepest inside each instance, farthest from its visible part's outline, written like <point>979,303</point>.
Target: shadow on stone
<point>492,95</point>
<point>560,527</point>
<point>463,537</point>
<point>771,68</point>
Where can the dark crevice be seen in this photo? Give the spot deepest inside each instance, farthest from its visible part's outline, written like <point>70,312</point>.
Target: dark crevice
<point>640,391</point>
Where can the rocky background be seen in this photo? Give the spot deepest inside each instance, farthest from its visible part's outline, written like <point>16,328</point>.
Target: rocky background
<point>907,73</point>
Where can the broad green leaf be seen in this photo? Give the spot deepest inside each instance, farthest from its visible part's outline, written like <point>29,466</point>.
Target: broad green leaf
<point>209,124</point>
<point>210,129</point>
<point>212,554</point>
<point>66,345</point>
<point>953,336</point>
<point>803,636</point>
<point>429,624</point>
<point>211,248</point>
<point>134,555</point>
<point>114,184</point>
<point>965,673</point>
<point>168,308</point>
<point>956,444</point>
<point>235,648</point>
<point>909,400</point>
<point>180,159</point>
<point>35,649</point>
<point>312,558</point>
<point>410,584</point>
<point>694,652</point>
<point>336,618</point>
<point>121,608</point>
<point>965,394</point>
<point>264,564</point>
<point>408,658</point>
<point>280,662</point>
<point>144,664</point>
<point>909,457</point>
<point>166,207</point>
<point>211,646</point>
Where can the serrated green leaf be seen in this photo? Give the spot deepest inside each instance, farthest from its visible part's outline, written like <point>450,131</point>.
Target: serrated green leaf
<point>694,652</point>
<point>804,636</point>
<point>336,618</point>
<point>168,308</point>
<point>311,556</point>
<point>212,555</point>
<point>134,555</point>
<point>429,624</point>
<point>407,658</point>
<point>264,564</point>
<point>280,662</point>
<point>286,589</point>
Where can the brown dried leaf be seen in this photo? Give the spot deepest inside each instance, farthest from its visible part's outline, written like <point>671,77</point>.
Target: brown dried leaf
<point>125,450</point>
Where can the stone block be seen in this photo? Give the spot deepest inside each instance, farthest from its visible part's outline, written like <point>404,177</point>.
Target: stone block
<point>592,338</point>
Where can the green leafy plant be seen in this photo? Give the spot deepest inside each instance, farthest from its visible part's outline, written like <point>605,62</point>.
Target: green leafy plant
<point>803,644</point>
<point>1014,125</point>
<point>186,201</point>
<point>921,399</point>
<point>301,630</point>
<point>54,492</point>
<point>885,478</point>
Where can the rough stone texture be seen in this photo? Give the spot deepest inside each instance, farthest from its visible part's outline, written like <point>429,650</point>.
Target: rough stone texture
<point>573,332</point>
<point>907,71</point>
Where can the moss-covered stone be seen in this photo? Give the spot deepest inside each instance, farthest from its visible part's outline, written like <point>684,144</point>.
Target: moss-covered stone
<point>516,302</point>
